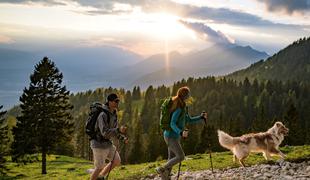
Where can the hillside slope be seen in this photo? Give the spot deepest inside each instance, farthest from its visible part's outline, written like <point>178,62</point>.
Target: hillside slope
<point>291,63</point>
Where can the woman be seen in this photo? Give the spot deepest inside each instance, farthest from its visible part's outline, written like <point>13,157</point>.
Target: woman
<point>172,137</point>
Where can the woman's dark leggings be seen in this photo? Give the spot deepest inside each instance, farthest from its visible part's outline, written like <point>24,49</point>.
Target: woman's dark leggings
<point>175,152</point>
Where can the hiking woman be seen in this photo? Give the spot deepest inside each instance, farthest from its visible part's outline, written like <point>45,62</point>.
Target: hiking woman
<point>172,137</point>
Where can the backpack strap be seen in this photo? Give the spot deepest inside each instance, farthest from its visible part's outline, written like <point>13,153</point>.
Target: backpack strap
<point>99,136</point>
<point>107,113</point>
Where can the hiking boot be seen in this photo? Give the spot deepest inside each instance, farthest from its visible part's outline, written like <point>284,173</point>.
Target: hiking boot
<point>100,178</point>
<point>164,173</point>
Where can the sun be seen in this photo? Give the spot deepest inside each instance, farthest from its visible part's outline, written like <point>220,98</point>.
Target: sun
<point>166,26</point>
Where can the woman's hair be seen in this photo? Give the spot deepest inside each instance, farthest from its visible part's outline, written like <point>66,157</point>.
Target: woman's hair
<point>178,100</point>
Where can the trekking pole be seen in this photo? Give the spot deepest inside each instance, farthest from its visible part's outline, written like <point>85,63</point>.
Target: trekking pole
<point>210,152</point>
<point>210,157</point>
<point>179,170</point>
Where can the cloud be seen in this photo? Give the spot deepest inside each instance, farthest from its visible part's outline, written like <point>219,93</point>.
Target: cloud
<point>108,6</point>
<point>216,15</point>
<point>206,33</point>
<point>45,2</point>
<point>288,6</point>
<point>6,40</point>
<point>185,11</point>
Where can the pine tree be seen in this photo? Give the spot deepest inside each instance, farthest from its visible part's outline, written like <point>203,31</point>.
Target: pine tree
<point>45,122</point>
<point>3,142</point>
<point>126,119</point>
<point>153,143</point>
<point>291,121</point>
<point>149,109</point>
<point>136,93</point>
<point>127,115</point>
<point>82,143</point>
<point>136,153</point>
<point>208,140</point>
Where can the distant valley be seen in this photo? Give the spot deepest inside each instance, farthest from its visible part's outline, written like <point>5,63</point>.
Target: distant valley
<point>93,67</point>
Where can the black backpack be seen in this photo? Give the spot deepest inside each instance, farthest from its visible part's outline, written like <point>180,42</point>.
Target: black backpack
<point>95,109</point>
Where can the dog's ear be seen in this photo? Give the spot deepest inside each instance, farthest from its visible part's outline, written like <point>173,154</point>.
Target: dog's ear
<point>279,124</point>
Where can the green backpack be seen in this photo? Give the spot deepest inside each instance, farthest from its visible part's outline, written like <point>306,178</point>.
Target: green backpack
<point>165,115</point>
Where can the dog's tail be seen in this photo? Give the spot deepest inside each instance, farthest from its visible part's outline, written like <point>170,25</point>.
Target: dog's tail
<point>226,140</point>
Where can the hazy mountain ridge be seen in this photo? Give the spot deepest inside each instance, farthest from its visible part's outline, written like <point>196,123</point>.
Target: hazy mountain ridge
<point>216,60</point>
<point>83,68</point>
<point>93,67</point>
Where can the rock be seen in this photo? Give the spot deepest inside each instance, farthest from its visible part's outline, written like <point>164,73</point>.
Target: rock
<point>287,171</point>
<point>274,168</point>
<point>89,171</point>
<point>286,177</point>
<point>308,169</point>
<point>292,171</point>
<point>269,175</point>
<point>257,176</point>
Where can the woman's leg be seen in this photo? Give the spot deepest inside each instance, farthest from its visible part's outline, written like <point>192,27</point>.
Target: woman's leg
<point>175,147</point>
<point>170,156</point>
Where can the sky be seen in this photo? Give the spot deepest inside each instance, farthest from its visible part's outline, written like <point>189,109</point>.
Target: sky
<point>149,27</point>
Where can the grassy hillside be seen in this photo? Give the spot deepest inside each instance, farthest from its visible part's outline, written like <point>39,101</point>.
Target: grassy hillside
<point>63,167</point>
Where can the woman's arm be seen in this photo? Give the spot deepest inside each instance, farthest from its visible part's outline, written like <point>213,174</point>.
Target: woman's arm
<point>193,120</point>
<point>174,119</point>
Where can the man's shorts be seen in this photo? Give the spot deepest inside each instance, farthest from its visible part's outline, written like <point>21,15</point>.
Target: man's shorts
<point>103,156</point>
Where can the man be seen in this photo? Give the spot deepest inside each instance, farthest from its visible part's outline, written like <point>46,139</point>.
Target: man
<point>103,149</point>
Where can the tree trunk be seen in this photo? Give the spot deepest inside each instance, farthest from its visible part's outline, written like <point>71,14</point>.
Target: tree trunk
<point>44,161</point>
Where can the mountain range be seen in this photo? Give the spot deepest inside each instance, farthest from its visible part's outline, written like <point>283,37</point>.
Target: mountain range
<point>217,60</point>
<point>92,67</point>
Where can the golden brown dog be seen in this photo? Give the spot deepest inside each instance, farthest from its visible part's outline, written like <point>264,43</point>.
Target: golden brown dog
<point>266,142</point>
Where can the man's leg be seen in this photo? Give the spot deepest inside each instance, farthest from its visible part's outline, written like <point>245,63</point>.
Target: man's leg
<point>99,161</point>
<point>95,174</point>
<point>116,161</point>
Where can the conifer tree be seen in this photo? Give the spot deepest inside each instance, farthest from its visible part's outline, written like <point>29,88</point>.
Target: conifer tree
<point>3,142</point>
<point>291,121</point>
<point>136,93</point>
<point>149,109</point>
<point>136,153</point>
<point>127,120</point>
<point>82,144</point>
<point>153,143</point>
<point>45,122</point>
<point>127,115</point>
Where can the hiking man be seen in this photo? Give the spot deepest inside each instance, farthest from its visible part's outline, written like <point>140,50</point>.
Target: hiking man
<point>174,132</point>
<point>107,129</point>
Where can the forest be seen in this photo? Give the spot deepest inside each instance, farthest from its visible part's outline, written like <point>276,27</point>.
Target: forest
<point>51,120</point>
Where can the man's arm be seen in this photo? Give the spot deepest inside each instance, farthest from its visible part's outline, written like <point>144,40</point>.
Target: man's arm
<point>104,128</point>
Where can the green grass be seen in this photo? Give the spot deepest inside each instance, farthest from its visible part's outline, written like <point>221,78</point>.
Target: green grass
<point>63,167</point>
